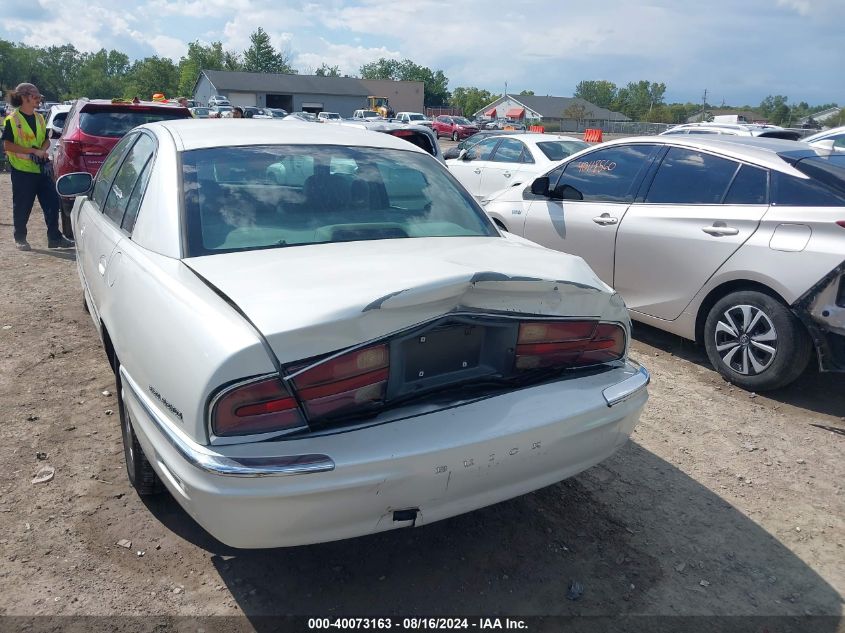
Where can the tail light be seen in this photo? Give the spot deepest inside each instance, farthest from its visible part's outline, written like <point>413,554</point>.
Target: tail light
<point>257,407</point>
<point>841,223</point>
<point>354,381</point>
<point>568,344</point>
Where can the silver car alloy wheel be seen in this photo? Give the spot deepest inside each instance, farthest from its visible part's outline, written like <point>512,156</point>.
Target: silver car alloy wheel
<point>746,340</point>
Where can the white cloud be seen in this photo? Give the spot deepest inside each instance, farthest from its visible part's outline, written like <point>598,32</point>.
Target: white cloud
<point>348,58</point>
<point>166,46</point>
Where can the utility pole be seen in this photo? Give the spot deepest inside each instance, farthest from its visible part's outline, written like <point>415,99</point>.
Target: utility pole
<point>704,105</point>
<point>506,88</point>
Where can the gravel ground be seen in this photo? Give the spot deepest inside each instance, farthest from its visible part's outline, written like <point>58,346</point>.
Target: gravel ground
<point>724,502</point>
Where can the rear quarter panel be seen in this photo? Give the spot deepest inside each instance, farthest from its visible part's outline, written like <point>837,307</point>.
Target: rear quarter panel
<point>175,337</point>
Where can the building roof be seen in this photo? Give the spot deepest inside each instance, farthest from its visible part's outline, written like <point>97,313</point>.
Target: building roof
<point>224,81</point>
<point>554,107</point>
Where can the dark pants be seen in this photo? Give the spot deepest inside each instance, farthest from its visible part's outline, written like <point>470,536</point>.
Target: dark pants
<point>26,187</point>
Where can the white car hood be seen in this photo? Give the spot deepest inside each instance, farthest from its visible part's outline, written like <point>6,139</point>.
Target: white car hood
<point>314,299</point>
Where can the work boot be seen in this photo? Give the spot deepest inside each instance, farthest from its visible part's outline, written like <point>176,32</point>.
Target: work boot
<point>62,242</point>
<point>22,245</point>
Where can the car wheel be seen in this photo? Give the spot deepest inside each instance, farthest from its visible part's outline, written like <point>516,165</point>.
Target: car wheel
<point>141,474</point>
<point>454,136</point>
<point>755,342</point>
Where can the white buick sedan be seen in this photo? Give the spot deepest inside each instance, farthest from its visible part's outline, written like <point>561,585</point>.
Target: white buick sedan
<point>346,347</point>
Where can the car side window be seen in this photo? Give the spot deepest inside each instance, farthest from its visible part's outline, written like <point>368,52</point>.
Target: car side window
<point>482,150</point>
<point>508,151</point>
<point>689,177</point>
<point>611,174</point>
<point>750,186</point>
<point>108,169</point>
<point>803,192</point>
<point>135,198</point>
<point>126,177</point>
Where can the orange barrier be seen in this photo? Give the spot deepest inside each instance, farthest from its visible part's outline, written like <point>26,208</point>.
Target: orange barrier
<point>592,136</point>
<point>537,128</point>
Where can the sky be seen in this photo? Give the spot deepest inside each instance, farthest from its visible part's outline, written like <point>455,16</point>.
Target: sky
<point>739,52</point>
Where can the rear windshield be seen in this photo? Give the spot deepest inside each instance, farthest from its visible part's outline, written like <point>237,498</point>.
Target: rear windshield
<point>558,150</point>
<point>116,122</point>
<point>244,198</point>
<point>459,120</point>
<point>825,186</point>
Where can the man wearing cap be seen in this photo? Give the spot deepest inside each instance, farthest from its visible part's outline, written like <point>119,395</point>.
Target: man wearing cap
<point>26,144</point>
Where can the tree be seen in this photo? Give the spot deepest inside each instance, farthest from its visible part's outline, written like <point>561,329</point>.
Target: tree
<point>637,99</point>
<point>327,71</point>
<point>151,75</point>
<point>199,57</point>
<point>601,93</point>
<point>470,100</point>
<point>261,57</point>
<point>775,109</point>
<point>527,93</point>
<point>100,75</point>
<point>436,92</point>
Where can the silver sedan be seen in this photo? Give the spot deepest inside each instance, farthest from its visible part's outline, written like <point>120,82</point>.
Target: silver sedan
<point>737,243</point>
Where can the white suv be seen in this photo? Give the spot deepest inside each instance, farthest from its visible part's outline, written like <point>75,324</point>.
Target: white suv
<point>328,116</point>
<point>218,100</point>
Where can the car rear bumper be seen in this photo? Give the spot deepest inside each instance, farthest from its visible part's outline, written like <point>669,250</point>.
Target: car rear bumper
<point>436,465</point>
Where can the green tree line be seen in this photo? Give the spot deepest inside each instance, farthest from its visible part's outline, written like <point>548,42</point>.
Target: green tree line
<point>63,72</point>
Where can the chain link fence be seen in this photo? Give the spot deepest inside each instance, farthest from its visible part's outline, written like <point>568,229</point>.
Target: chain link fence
<point>626,128</point>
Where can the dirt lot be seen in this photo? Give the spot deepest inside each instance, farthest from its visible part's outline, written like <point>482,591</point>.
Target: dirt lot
<point>724,502</point>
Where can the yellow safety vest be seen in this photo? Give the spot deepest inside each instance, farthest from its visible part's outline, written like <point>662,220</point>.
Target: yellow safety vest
<point>25,137</point>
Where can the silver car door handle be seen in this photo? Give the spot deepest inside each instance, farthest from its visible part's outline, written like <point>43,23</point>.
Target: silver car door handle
<point>605,219</point>
<point>477,170</point>
<point>719,231</point>
<point>101,266</point>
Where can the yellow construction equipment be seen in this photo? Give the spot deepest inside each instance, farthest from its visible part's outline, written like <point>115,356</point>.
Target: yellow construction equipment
<point>380,105</point>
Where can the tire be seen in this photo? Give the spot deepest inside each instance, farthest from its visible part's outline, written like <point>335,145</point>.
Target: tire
<point>64,215</point>
<point>141,474</point>
<point>436,134</point>
<point>771,354</point>
<point>455,136</point>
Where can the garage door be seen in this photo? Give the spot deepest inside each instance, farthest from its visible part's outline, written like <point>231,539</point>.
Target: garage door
<point>242,98</point>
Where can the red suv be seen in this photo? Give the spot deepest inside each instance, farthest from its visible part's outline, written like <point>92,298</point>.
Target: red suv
<point>93,127</point>
<point>455,127</point>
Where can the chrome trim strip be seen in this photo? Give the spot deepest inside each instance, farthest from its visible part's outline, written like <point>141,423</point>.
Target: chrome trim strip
<point>627,388</point>
<point>201,457</point>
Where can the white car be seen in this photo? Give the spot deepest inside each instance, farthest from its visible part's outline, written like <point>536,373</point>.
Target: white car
<point>218,100</point>
<point>733,129</point>
<point>328,116</point>
<point>351,350</point>
<point>55,123</point>
<point>507,161</point>
<point>834,137</point>
<point>413,118</point>
<point>366,115</point>
<point>734,242</point>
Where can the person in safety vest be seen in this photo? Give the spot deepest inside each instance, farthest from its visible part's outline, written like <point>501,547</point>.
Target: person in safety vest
<point>26,143</point>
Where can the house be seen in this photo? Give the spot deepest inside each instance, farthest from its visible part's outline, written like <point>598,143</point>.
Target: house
<point>565,113</point>
<point>308,93</point>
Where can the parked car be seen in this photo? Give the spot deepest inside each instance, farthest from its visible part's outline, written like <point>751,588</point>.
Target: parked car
<point>277,113</point>
<point>834,136</point>
<point>328,116</point>
<point>55,123</point>
<point>220,111</point>
<point>418,135</point>
<point>509,160</point>
<point>734,129</point>
<point>413,118</point>
<point>218,100</point>
<point>734,242</point>
<point>366,114</point>
<point>455,150</point>
<point>454,127</point>
<point>441,368</point>
<point>92,128</point>
<point>200,112</point>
